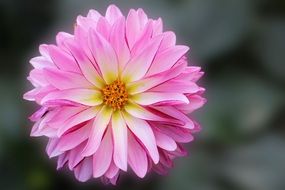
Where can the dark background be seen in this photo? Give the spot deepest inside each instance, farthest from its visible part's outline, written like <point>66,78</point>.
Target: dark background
<point>240,44</point>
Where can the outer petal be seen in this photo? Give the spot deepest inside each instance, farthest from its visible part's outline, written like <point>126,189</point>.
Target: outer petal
<point>87,68</point>
<point>105,56</point>
<point>83,96</point>
<point>132,27</point>
<point>166,59</point>
<point>84,170</point>
<point>178,86</point>
<point>137,157</point>
<point>62,59</point>
<point>119,131</point>
<point>152,81</point>
<point>100,124</point>
<point>137,67</point>
<point>164,141</point>
<point>148,98</point>
<point>64,80</point>
<point>113,13</point>
<point>103,156</point>
<point>144,133</point>
<point>118,41</point>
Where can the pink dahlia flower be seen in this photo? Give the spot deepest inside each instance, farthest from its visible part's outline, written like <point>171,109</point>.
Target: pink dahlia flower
<point>115,94</point>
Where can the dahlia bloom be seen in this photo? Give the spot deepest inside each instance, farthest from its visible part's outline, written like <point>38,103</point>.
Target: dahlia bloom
<point>114,95</point>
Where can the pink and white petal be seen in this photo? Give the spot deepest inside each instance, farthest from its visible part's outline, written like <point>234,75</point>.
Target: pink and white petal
<point>98,128</point>
<point>62,59</point>
<point>79,118</point>
<point>191,74</point>
<point>61,161</point>
<point>75,156</point>
<point>137,157</point>
<point>144,133</point>
<point>103,156</point>
<point>196,102</point>
<point>152,81</point>
<point>113,13</point>
<point>41,62</point>
<point>148,98</point>
<point>83,171</point>
<point>38,114</point>
<point>118,41</point>
<point>51,149</point>
<point>142,17</point>
<point>112,171</point>
<point>166,59</point>
<point>178,134</point>
<point>142,113</point>
<point>94,15</point>
<point>87,68</point>
<point>132,28</point>
<point>163,141</point>
<point>73,139</point>
<point>138,65</point>
<point>119,131</point>
<point>105,56</point>
<point>37,78</point>
<point>43,48</point>
<point>157,27</point>
<point>178,86</point>
<point>65,80</point>
<point>104,28</point>
<point>175,113</point>
<point>169,40</point>
<point>82,96</point>
<point>143,39</point>
<point>61,37</point>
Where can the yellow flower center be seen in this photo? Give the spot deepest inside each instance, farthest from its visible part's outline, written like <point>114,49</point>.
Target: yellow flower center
<point>115,94</point>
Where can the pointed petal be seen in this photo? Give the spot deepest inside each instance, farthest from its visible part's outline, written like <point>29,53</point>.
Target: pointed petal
<point>137,157</point>
<point>100,124</point>
<point>137,67</point>
<point>144,133</point>
<point>118,41</point>
<point>148,98</point>
<point>65,80</point>
<point>166,59</point>
<point>62,59</point>
<point>105,56</point>
<point>119,131</point>
<point>82,96</point>
<point>152,81</point>
<point>163,141</point>
<point>113,13</point>
<point>103,156</point>
<point>84,170</point>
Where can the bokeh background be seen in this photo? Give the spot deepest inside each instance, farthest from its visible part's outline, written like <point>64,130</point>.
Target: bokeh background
<point>240,44</point>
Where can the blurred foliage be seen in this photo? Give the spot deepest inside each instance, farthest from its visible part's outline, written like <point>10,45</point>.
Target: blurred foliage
<point>240,45</point>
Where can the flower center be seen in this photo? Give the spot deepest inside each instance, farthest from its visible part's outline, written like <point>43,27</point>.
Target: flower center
<point>115,94</point>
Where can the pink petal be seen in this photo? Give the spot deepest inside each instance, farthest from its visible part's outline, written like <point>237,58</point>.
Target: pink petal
<point>166,59</point>
<point>61,37</point>
<point>178,86</point>
<point>144,133</point>
<point>113,13</point>
<point>62,59</point>
<point>117,39</point>
<point>51,149</point>
<point>152,81</point>
<point>84,170</point>
<point>83,96</point>
<point>86,67</point>
<point>105,56</point>
<point>65,80</point>
<point>74,156</point>
<point>196,102</point>
<point>137,67</point>
<point>119,131</point>
<point>176,133</point>
<point>100,124</point>
<point>148,98</point>
<point>112,171</point>
<point>104,28</point>
<point>103,156</point>
<point>41,62</point>
<point>169,40</point>
<point>163,141</point>
<point>73,139</point>
<point>132,27</point>
<point>137,157</point>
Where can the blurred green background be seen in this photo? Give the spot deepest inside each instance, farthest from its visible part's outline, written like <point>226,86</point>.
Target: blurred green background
<point>240,44</point>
